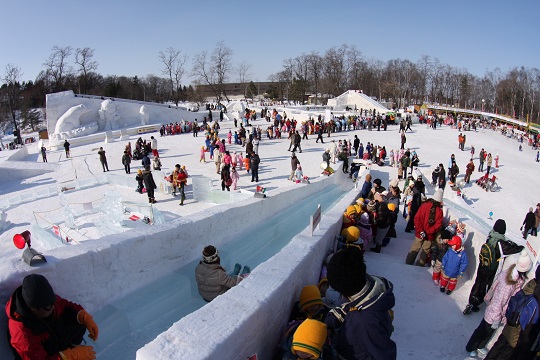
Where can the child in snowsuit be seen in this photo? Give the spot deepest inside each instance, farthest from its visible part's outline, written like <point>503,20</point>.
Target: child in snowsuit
<point>246,163</point>
<point>239,160</point>
<point>454,264</point>
<point>234,176</point>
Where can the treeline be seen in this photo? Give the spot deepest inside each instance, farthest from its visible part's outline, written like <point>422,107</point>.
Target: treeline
<point>403,82</point>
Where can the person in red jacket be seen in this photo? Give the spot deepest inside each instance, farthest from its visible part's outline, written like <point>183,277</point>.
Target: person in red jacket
<point>427,223</point>
<point>42,325</point>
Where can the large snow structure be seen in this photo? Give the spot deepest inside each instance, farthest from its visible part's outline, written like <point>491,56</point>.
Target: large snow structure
<point>356,98</point>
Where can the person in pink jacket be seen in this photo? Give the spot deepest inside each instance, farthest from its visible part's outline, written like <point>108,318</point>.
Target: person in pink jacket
<point>234,177</point>
<point>506,285</point>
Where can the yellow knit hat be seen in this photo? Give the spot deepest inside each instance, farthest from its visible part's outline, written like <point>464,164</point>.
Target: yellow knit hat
<point>310,295</point>
<point>351,210</point>
<point>351,233</point>
<point>391,206</point>
<point>309,337</point>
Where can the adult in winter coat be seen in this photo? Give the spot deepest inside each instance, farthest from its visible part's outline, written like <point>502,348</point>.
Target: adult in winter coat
<point>42,325</point>
<point>153,146</point>
<point>44,153</point>
<point>377,188</point>
<point>226,180</point>
<point>150,185</point>
<point>103,159</point>
<point>360,328</point>
<point>294,164</point>
<point>506,285</point>
<point>66,148</point>
<point>489,161</point>
<point>427,223</point>
<point>383,220</point>
<point>254,164</point>
<point>441,181</point>
<point>405,163</point>
<point>453,172</point>
<point>528,223</point>
<point>516,340</point>
<point>469,170</point>
<point>356,145</point>
<point>146,162</point>
<point>534,230</point>
<point>181,181</point>
<point>487,267</point>
<point>126,161</point>
<point>212,279</point>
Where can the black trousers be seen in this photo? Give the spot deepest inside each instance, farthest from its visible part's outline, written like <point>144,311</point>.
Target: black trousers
<point>482,283</point>
<point>480,336</point>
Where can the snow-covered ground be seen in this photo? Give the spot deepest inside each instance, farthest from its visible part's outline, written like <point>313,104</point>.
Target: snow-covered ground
<point>516,176</point>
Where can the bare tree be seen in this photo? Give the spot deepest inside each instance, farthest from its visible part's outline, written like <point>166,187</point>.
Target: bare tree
<point>86,66</point>
<point>11,95</point>
<point>244,74</point>
<point>57,67</point>
<point>214,70</point>
<point>174,62</point>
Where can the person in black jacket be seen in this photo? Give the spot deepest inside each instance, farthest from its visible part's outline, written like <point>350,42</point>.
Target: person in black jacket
<point>150,185</point>
<point>441,181</point>
<point>529,223</point>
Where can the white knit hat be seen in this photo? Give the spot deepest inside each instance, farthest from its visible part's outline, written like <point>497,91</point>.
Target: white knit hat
<point>524,262</point>
<point>438,196</point>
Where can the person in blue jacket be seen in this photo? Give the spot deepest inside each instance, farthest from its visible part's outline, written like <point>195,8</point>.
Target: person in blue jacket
<point>454,264</point>
<point>361,327</point>
<point>366,188</point>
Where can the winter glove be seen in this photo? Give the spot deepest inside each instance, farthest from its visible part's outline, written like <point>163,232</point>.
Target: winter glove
<point>423,235</point>
<point>432,263</point>
<point>495,324</point>
<point>460,274</point>
<point>78,353</point>
<point>85,319</point>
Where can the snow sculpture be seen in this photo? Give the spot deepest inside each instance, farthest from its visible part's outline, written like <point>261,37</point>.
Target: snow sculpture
<point>145,116</point>
<point>108,116</point>
<point>71,119</point>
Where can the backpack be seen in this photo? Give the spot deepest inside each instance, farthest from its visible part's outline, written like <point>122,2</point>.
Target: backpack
<point>488,256</point>
<point>515,305</point>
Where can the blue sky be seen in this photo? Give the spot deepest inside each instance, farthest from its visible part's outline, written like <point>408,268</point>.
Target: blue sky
<point>127,36</point>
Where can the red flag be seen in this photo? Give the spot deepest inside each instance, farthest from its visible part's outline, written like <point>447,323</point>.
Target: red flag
<point>134,217</point>
<point>56,230</point>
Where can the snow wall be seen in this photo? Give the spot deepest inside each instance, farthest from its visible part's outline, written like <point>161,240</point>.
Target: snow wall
<point>96,274</point>
<point>15,167</point>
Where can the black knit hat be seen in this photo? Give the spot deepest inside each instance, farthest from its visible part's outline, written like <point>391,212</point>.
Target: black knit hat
<point>37,292</point>
<point>347,271</point>
<point>377,181</point>
<point>500,226</point>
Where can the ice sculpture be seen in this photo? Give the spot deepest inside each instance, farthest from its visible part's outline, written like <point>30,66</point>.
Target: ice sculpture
<point>145,115</point>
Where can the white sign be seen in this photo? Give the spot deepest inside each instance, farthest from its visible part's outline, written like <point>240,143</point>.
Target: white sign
<point>315,219</point>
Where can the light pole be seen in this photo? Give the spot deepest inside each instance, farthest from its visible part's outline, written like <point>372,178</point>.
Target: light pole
<point>483,101</point>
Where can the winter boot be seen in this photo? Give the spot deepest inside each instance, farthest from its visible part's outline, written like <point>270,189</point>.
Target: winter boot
<point>467,311</point>
<point>473,354</point>
<point>376,249</point>
<point>475,309</point>
<point>442,288</point>
<point>237,268</point>
<point>448,292</point>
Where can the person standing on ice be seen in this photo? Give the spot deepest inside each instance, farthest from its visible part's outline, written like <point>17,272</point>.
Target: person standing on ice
<point>489,161</point>
<point>212,279</point>
<point>103,159</point>
<point>469,171</point>
<point>66,148</point>
<point>427,223</point>
<point>42,325</point>
<point>44,153</point>
<point>497,161</point>
<point>506,285</point>
<point>153,146</point>
<point>150,185</point>
<point>294,164</point>
<point>126,161</point>
<point>146,161</point>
